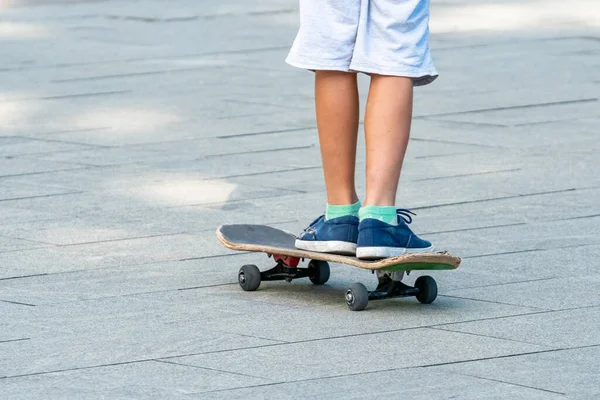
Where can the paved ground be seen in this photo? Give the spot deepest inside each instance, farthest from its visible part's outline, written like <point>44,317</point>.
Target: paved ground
<point>129,130</point>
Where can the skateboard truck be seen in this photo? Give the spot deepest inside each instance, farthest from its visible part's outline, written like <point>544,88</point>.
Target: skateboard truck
<point>390,285</point>
<point>287,270</point>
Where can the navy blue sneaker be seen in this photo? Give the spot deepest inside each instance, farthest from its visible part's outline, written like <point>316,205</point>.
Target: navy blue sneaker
<point>377,240</point>
<point>335,235</point>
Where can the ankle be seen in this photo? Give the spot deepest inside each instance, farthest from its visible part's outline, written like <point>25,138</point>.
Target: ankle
<point>385,214</point>
<point>337,211</point>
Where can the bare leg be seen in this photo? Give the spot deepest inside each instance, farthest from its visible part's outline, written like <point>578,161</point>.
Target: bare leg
<point>387,129</point>
<point>336,99</point>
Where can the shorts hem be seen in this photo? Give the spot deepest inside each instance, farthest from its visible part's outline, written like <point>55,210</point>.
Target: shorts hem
<point>317,66</point>
<point>420,77</point>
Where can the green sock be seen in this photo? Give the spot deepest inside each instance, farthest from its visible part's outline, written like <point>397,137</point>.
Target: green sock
<point>342,211</point>
<point>385,214</point>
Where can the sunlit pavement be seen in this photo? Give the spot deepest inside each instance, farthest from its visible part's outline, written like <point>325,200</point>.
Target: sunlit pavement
<point>129,130</point>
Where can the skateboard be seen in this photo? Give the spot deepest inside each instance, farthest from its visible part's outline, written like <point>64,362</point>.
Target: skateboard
<point>280,246</point>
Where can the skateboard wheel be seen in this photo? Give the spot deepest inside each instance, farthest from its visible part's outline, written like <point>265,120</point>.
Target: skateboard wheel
<point>319,272</point>
<point>249,277</point>
<point>357,297</point>
<point>427,289</point>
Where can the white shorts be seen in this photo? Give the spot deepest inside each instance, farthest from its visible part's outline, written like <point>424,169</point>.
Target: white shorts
<point>385,37</point>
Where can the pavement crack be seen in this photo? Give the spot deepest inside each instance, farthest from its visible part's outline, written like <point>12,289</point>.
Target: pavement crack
<point>207,286</point>
<point>209,369</point>
<point>488,336</point>
<point>492,318</point>
<point>454,142</point>
<point>17,303</point>
<point>532,250</point>
<point>239,253</point>
<point>255,152</point>
<point>507,283</point>
<point>515,196</point>
<point>493,302</point>
<point>528,353</point>
<point>97,146</point>
<point>444,155</point>
<point>476,228</point>
<point>277,171</point>
<point>482,124</point>
<point>14,340</point>
<point>22,277</point>
<point>259,337</point>
<point>519,107</point>
<point>102,128</point>
<point>129,75</point>
<point>57,371</point>
<point>23,248</point>
<point>120,239</point>
<point>43,172</point>
<point>266,132</point>
<point>467,175</point>
<point>502,253</point>
<point>40,196</point>
<point>259,103</point>
<point>79,95</point>
<point>234,204</point>
<point>579,217</point>
<point>509,383</point>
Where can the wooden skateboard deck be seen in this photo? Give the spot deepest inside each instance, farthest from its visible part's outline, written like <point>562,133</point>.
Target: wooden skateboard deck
<point>266,239</point>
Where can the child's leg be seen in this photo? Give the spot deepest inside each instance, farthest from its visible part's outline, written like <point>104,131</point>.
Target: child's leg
<point>392,47</point>
<point>325,44</point>
<point>387,128</point>
<point>383,231</point>
<point>336,99</point>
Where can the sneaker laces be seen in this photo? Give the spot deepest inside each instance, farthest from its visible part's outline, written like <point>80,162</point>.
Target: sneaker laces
<point>405,214</point>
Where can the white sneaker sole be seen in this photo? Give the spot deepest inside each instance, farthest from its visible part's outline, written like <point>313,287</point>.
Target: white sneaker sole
<point>376,253</point>
<point>332,246</point>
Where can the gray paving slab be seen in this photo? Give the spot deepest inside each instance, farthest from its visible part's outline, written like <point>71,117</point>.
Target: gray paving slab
<point>550,294</point>
<point>243,140</point>
<point>400,383</point>
<point>528,136</point>
<point>127,280</point>
<point>99,156</point>
<point>127,381</point>
<point>514,238</point>
<point>12,244</point>
<point>81,230</point>
<point>573,372</point>
<point>561,329</point>
<point>325,311</point>
<point>15,167</point>
<point>346,355</point>
<point>14,215</point>
<point>151,191</point>
<point>533,265</point>
<point>76,335</point>
<point>109,253</point>
<point>11,146</point>
<point>44,260</point>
